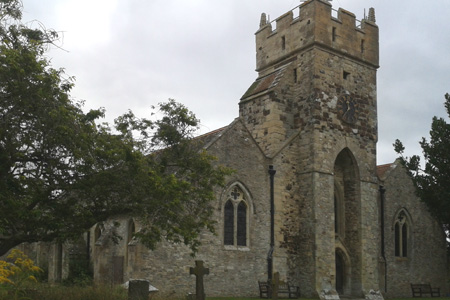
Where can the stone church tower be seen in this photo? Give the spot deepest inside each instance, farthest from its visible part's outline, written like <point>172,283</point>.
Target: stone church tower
<point>312,111</point>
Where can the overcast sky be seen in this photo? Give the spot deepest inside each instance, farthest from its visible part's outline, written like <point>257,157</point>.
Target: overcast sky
<point>131,54</point>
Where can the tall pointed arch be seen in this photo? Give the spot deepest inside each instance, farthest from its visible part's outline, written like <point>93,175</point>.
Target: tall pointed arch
<point>402,233</point>
<point>131,230</point>
<point>236,210</point>
<point>347,214</point>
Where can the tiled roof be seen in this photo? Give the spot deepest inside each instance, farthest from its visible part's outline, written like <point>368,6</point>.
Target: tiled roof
<point>382,169</point>
<point>206,138</point>
<point>265,83</point>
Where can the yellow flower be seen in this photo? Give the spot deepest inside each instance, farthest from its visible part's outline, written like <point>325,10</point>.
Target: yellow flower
<point>36,269</point>
<point>5,280</point>
<point>18,272</point>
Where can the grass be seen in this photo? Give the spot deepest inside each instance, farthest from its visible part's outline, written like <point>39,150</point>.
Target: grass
<point>60,292</point>
<point>244,298</point>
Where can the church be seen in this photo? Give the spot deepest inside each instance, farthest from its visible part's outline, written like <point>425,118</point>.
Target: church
<point>307,199</point>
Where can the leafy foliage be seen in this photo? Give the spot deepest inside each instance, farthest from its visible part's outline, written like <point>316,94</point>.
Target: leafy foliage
<point>60,172</point>
<point>433,180</point>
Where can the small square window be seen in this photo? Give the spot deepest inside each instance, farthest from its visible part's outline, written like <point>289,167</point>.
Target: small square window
<point>345,75</point>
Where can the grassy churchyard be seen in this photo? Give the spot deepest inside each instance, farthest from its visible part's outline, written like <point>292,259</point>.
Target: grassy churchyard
<point>42,291</point>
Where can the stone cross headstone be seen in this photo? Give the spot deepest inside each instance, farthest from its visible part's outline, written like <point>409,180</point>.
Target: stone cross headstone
<point>275,285</point>
<point>138,289</point>
<point>199,271</point>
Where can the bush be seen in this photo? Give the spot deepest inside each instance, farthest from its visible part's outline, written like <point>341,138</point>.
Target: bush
<point>17,275</point>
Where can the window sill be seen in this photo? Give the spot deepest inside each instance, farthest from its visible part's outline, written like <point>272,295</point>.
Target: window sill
<point>236,248</point>
<point>399,258</point>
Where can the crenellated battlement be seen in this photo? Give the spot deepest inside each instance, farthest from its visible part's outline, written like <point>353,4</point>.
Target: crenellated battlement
<point>317,24</point>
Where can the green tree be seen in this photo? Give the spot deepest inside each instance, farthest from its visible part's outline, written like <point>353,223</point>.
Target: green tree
<point>60,172</point>
<point>432,179</point>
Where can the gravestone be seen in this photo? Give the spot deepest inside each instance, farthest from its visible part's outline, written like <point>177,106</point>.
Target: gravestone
<point>138,289</point>
<point>199,271</point>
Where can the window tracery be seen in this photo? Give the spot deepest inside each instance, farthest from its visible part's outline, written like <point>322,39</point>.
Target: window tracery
<point>236,218</point>
<point>401,232</point>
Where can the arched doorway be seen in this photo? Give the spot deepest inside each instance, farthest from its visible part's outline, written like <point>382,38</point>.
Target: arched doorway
<point>347,214</point>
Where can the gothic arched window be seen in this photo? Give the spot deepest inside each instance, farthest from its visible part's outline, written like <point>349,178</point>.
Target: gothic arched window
<point>339,213</point>
<point>97,232</point>
<point>235,218</point>
<point>401,231</point>
<point>131,230</point>
<point>229,223</point>
<point>242,224</point>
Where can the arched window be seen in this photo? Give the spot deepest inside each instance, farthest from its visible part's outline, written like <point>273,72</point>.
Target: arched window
<point>229,223</point>
<point>336,215</point>
<point>97,232</point>
<point>131,230</point>
<point>235,232</point>
<point>401,232</point>
<point>242,224</point>
<point>339,212</point>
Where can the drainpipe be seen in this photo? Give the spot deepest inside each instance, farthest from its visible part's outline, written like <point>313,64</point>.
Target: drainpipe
<point>272,225</point>
<point>383,255</point>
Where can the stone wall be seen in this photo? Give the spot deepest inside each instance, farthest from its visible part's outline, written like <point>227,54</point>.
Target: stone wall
<point>312,70</point>
<point>234,270</point>
<point>426,260</point>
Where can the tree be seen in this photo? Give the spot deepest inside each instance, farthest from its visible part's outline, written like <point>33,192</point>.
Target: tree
<point>432,181</point>
<point>61,173</point>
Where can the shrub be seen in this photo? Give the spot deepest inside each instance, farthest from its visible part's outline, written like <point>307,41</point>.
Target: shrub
<point>17,274</point>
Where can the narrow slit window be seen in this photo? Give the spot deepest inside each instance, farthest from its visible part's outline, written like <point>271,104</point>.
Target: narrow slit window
<point>336,216</point>
<point>283,42</point>
<point>242,224</point>
<point>345,75</point>
<point>333,34</point>
<point>295,75</point>
<point>397,239</point>
<point>131,230</point>
<point>228,235</point>
<point>97,233</point>
<point>405,240</point>
<point>362,46</point>
<point>401,235</point>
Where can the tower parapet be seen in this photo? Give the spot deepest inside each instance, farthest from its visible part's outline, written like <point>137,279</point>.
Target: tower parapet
<point>315,26</point>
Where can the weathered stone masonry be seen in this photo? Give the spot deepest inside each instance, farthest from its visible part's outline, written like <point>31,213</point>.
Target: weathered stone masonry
<point>312,114</point>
